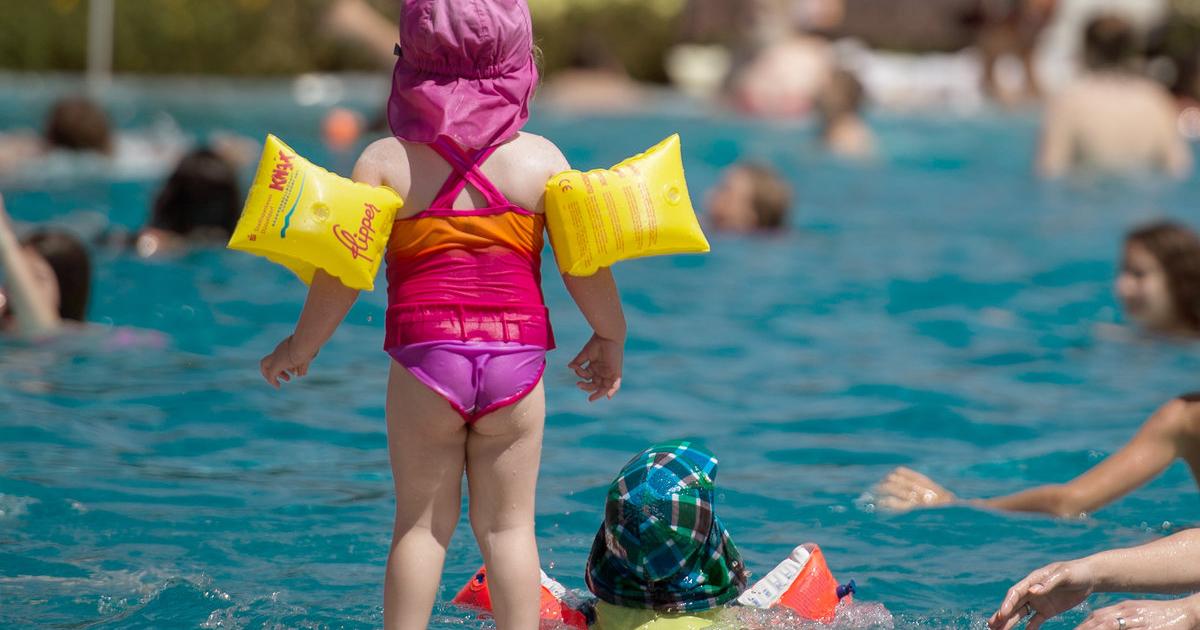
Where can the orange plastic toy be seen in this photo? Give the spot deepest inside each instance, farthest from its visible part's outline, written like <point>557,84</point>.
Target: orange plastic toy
<point>802,583</point>
<point>476,595</point>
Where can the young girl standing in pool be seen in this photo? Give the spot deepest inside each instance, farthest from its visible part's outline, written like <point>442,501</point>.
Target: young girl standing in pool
<point>466,322</point>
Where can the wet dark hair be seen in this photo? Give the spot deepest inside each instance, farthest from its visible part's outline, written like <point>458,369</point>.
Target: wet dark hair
<point>72,267</point>
<point>200,198</point>
<point>771,196</point>
<point>1108,41</point>
<point>842,94</point>
<point>1177,249</point>
<point>78,124</point>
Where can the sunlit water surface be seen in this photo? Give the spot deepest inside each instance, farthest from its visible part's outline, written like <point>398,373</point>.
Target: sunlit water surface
<point>940,309</point>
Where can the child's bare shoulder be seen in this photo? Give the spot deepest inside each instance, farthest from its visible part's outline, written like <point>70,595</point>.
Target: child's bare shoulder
<point>540,155</point>
<point>530,162</point>
<point>385,163</point>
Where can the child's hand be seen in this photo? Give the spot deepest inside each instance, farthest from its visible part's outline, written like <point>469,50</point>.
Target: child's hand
<point>281,363</point>
<point>599,365</point>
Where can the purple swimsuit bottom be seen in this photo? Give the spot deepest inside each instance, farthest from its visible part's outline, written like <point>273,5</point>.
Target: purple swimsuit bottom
<point>475,377</point>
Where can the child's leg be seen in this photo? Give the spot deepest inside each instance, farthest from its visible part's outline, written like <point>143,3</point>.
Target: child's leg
<point>427,446</point>
<point>504,451</point>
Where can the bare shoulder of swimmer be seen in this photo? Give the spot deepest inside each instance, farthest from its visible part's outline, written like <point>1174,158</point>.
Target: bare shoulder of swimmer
<point>1072,99</point>
<point>1191,421</point>
<point>526,164</point>
<point>385,162</point>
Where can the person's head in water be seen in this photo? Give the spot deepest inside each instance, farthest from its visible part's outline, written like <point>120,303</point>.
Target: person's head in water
<point>661,546</point>
<point>1109,42</point>
<point>61,270</point>
<point>78,124</point>
<point>842,96</point>
<point>1159,282</point>
<point>201,198</point>
<point>749,197</point>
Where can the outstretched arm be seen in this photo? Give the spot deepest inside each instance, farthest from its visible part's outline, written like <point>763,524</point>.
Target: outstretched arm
<point>35,316</point>
<point>1169,565</point>
<point>1164,437</point>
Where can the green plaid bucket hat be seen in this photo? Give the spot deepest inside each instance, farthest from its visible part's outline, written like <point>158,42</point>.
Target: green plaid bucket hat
<point>661,546</point>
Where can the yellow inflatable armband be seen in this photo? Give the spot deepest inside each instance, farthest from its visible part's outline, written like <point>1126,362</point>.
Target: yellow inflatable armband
<point>305,218</point>
<point>637,208</point>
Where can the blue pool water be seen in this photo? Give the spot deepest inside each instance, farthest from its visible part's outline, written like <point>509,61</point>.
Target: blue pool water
<point>941,309</point>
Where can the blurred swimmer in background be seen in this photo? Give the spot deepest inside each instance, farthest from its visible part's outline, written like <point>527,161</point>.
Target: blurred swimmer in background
<point>1112,119</point>
<point>749,197</point>
<point>199,203</point>
<point>74,124</point>
<point>1159,280</point>
<point>844,133</point>
<point>47,281</point>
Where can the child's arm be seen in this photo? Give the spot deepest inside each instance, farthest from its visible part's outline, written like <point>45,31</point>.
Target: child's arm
<point>34,316</point>
<point>327,304</point>
<point>599,363</point>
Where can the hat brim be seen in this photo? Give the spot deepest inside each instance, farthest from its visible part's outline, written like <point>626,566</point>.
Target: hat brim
<point>612,579</point>
<point>474,112</point>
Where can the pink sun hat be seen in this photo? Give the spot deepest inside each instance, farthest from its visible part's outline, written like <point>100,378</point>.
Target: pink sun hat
<point>466,71</point>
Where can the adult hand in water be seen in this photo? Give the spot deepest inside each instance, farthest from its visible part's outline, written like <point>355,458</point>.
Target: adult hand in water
<point>1047,592</point>
<point>1167,565</point>
<point>599,367</point>
<point>904,489</point>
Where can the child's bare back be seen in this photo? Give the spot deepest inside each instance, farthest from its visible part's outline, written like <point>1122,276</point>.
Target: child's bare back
<point>519,168</point>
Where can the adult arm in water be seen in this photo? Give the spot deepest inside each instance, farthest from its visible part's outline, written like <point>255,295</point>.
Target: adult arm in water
<point>1169,565</point>
<point>1172,432</point>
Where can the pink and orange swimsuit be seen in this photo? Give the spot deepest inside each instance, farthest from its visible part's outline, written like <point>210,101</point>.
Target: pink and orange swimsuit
<point>465,312</point>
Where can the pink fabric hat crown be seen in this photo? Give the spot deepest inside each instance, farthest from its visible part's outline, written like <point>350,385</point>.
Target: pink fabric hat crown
<point>466,71</point>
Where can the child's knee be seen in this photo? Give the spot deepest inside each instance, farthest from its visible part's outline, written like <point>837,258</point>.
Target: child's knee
<point>405,531</point>
<point>491,524</point>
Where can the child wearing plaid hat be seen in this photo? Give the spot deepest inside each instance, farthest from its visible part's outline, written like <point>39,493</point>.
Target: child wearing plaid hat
<point>662,560</point>
<point>662,556</point>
